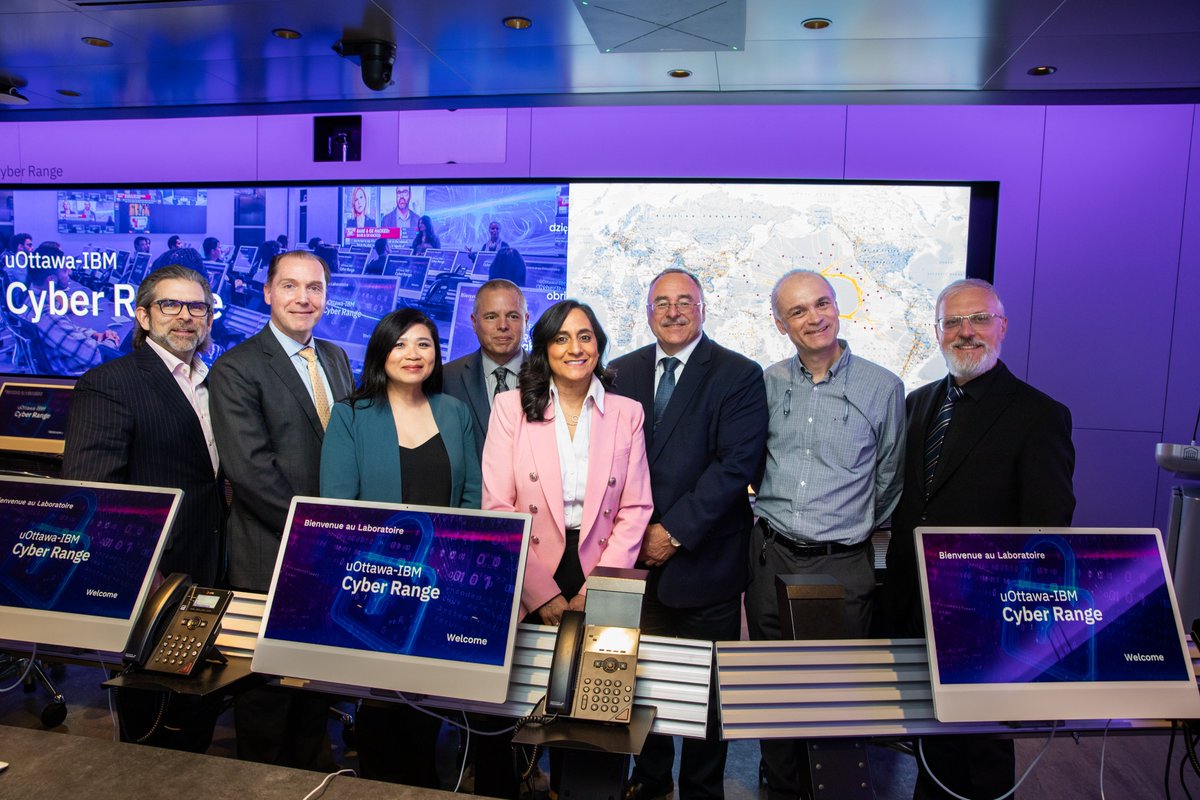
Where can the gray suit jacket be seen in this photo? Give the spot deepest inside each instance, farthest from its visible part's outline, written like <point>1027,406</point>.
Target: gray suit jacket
<point>269,437</point>
<point>463,379</point>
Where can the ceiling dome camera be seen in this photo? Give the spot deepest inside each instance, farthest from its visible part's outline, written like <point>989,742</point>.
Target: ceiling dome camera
<point>375,56</point>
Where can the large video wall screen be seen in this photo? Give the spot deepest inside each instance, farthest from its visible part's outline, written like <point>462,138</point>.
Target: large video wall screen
<point>888,249</point>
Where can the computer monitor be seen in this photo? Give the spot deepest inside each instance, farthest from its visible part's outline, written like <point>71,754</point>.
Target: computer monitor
<point>77,559</point>
<point>137,271</point>
<point>406,598</point>
<point>354,305</point>
<point>482,266</point>
<point>410,270</point>
<point>244,260</point>
<point>33,417</point>
<point>1052,624</point>
<point>215,272</point>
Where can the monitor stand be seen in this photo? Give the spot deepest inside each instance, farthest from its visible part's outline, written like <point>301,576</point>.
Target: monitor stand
<point>1183,535</point>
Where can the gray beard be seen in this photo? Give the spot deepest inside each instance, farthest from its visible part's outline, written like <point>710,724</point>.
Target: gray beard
<point>963,370</point>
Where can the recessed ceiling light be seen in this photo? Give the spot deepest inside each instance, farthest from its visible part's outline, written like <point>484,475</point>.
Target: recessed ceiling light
<point>96,41</point>
<point>816,23</point>
<point>68,92</point>
<point>680,73</point>
<point>517,23</point>
<point>286,33</point>
<point>11,97</point>
<point>1039,72</point>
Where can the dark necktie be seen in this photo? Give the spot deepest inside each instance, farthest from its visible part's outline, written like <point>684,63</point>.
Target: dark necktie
<point>937,433</point>
<point>666,385</point>
<point>501,374</point>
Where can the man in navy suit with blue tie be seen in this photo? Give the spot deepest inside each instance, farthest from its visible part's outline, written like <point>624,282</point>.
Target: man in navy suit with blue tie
<point>706,431</point>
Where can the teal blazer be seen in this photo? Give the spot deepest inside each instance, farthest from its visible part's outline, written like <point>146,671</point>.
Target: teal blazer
<point>360,459</point>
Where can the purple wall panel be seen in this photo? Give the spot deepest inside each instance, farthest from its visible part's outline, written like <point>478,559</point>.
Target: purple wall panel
<point>285,147</point>
<point>689,141</point>
<point>1115,481</point>
<point>971,143</point>
<point>1183,378</point>
<point>1108,254</point>
<point>207,149</point>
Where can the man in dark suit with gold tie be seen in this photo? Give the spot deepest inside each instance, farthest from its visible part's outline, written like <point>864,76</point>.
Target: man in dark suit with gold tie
<point>986,449</point>
<point>706,431</point>
<point>272,396</point>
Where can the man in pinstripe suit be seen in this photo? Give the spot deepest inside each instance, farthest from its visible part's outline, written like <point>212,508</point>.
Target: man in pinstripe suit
<point>143,419</point>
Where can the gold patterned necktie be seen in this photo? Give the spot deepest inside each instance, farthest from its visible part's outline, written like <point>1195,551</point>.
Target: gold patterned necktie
<point>318,386</point>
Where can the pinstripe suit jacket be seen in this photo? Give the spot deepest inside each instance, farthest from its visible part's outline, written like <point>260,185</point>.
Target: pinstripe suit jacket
<point>131,423</point>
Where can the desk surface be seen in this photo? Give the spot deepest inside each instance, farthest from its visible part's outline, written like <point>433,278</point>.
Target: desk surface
<point>44,764</point>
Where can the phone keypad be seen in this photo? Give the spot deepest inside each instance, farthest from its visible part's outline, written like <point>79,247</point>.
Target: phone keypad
<point>609,697</point>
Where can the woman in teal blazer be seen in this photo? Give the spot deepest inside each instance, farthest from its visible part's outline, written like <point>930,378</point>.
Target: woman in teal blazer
<point>398,439</point>
<point>399,403</point>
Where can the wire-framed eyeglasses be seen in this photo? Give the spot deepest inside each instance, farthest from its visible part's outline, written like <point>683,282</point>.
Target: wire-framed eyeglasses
<point>983,319</point>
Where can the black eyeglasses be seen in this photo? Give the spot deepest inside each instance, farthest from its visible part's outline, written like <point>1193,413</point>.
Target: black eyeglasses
<point>172,308</point>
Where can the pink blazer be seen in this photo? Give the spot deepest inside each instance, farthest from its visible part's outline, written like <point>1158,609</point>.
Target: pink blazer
<point>521,473</point>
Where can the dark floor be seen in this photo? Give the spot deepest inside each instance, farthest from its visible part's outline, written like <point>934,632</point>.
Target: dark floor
<point>1134,764</point>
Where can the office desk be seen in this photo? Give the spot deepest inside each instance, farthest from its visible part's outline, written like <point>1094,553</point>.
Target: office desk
<point>43,765</point>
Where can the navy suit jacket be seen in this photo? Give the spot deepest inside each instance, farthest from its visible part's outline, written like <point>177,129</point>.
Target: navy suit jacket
<point>1007,460</point>
<point>269,437</point>
<point>131,423</point>
<point>361,459</point>
<point>463,378</point>
<point>708,448</point>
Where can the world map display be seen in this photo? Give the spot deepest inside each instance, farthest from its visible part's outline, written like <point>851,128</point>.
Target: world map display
<point>886,249</point>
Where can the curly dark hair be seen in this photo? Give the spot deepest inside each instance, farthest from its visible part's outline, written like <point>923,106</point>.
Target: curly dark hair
<point>534,380</point>
<point>373,385</point>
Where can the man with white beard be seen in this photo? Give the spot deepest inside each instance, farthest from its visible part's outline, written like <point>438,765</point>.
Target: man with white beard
<point>984,449</point>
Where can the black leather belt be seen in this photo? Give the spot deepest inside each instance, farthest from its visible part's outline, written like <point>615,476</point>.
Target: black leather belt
<point>810,549</point>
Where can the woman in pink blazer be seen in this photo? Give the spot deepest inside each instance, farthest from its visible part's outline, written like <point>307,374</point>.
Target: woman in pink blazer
<point>573,456</point>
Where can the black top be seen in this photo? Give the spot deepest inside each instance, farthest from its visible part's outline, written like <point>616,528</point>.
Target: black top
<point>425,473</point>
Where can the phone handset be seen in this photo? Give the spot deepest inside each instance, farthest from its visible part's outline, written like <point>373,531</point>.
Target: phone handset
<point>563,667</point>
<point>156,613</point>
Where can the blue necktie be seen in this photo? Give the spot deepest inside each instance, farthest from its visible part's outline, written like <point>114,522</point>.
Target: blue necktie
<point>937,433</point>
<point>666,385</point>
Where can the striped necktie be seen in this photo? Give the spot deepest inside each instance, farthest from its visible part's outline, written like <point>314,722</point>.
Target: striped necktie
<point>937,433</point>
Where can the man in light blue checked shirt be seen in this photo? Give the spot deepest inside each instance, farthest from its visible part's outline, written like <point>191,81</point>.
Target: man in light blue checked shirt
<point>835,447</point>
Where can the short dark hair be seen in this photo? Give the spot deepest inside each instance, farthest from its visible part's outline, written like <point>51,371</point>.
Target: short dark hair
<point>146,289</point>
<point>183,257</point>
<point>273,267</point>
<point>534,379</point>
<point>372,388</point>
<point>46,250</point>
<point>282,239</point>
<point>139,239</point>
<point>19,239</point>
<point>211,243</point>
<point>174,240</point>
<point>315,242</point>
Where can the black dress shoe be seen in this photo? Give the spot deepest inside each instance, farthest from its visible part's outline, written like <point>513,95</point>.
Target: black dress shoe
<point>639,791</point>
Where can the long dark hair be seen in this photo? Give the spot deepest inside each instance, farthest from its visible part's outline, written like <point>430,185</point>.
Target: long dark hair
<point>373,385</point>
<point>534,380</point>
<point>429,236</point>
